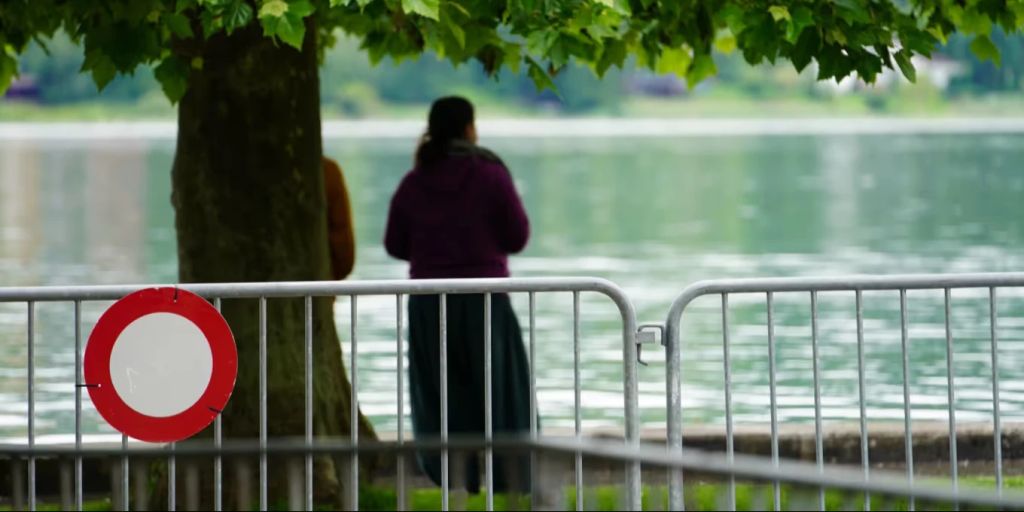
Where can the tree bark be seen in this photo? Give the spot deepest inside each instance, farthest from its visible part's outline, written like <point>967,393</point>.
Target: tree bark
<point>249,205</point>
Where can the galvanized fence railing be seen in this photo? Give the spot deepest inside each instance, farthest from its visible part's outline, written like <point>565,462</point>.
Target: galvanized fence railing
<point>676,460</point>
<point>855,285</point>
<point>76,295</point>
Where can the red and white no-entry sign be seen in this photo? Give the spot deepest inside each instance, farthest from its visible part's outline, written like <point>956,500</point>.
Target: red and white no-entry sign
<point>160,364</point>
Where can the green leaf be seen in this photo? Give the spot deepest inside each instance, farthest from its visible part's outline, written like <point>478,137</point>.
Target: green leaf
<point>209,23</point>
<point>613,54</point>
<point>868,67</point>
<point>179,25</point>
<point>273,9</point>
<point>854,9</point>
<point>458,7</point>
<point>599,31</point>
<point>540,42</point>
<point>103,73</point>
<point>805,49</point>
<point>779,13</point>
<point>703,66</point>
<point>301,8</point>
<point>734,17</point>
<point>903,60</point>
<point>237,15</point>
<point>673,60</point>
<point>182,5</point>
<point>458,34</point>
<point>426,8</point>
<point>939,34</point>
<point>454,28</point>
<point>1017,8</point>
<point>838,36</point>
<point>802,18</point>
<point>513,57</point>
<point>289,25</point>
<point>726,44</point>
<point>8,70</point>
<point>173,77</point>
<point>102,68</point>
<point>974,22</point>
<point>292,31</point>
<point>540,78</point>
<point>984,49</point>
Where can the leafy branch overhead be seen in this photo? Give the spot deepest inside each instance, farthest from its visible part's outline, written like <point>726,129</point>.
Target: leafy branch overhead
<point>843,37</point>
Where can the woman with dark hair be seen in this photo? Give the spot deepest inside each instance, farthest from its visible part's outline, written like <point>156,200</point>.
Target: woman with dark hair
<point>456,214</point>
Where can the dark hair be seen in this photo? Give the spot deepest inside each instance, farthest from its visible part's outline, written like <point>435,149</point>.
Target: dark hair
<point>449,117</point>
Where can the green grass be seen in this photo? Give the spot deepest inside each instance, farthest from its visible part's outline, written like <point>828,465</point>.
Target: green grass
<point>91,505</point>
<point>1009,482</point>
<point>699,496</point>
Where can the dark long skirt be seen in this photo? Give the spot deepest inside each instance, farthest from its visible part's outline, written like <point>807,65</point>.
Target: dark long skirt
<point>510,377</point>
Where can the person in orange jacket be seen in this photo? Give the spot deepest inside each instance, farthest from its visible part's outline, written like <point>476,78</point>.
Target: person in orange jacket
<point>339,221</point>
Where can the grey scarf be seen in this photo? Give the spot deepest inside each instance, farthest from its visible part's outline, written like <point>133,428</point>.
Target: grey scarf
<point>463,147</point>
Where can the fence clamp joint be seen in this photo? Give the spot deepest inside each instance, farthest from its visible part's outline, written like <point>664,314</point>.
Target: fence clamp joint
<point>647,334</point>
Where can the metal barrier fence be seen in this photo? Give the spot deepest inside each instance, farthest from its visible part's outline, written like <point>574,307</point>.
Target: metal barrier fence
<point>352,289</point>
<point>675,460</point>
<point>812,286</point>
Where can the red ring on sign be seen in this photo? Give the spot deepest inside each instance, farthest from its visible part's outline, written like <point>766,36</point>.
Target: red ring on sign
<point>101,344</point>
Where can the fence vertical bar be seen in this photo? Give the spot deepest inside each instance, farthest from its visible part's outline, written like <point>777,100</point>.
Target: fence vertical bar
<point>997,435</point>
<point>776,487</point>
<point>353,481</point>
<point>908,436</point>
<point>400,350</point>
<point>577,394</point>
<point>488,413</point>
<point>443,308</point>
<point>862,395</point>
<point>951,397</point>
<point>263,403</point>
<point>172,480</point>
<point>631,356</point>
<point>308,462</point>
<point>728,398</point>
<point>674,418</point>
<point>534,493</point>
<point>125,490</point>
<point>818,448</point>
<point>80,382</point>
<point>218,439</point>
<point>31,405</point>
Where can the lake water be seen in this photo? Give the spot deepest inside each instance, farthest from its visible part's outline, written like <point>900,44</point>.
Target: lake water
<point>653,214</point>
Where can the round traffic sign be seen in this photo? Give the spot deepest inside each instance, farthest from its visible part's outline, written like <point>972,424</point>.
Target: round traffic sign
<point>160,364</point>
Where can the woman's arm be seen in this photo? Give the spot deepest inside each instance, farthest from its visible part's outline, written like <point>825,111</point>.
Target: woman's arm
<point>396,236</point>
<point>339,221</point>
<point>512,224</point>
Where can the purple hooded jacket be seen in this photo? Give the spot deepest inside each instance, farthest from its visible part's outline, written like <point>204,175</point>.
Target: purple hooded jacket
<point>460,217</point>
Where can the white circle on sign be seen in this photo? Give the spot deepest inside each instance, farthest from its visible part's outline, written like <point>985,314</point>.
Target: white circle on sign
<point>161,364</point>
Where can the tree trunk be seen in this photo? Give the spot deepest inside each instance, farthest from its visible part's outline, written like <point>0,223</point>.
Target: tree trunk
<point>249,200</point>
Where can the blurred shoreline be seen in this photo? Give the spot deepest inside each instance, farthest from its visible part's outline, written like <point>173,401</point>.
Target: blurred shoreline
<point>558,128</point>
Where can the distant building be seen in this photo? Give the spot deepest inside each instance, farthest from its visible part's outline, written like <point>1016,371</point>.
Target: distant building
<point>24,88</point>
<point>940,70</point>
<point>646,83</point>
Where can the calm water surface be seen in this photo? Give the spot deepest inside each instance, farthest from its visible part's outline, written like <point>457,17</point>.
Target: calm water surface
<point>653,215</point>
